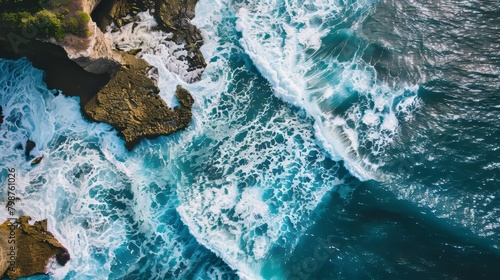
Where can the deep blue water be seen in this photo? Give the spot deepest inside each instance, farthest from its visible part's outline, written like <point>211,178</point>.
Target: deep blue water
<point>330,140</point>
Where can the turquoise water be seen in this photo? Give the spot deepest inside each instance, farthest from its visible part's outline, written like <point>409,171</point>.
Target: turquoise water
<point>329,140</point>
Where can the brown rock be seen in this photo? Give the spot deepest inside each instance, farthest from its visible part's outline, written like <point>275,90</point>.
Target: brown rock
<point>37,160</point>
<point>134,51</point>
<point>113,86</point>
<point>175,16</point>
<point>184,97</point>
<point>32,245</point>
<point>131,104</point>
<point>172,16</point>
<point>110,11</point>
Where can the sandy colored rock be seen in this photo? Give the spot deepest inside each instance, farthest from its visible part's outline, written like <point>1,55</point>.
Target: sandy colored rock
<point>34,248</point>
<point>94,53</point>
<point>131,104</point>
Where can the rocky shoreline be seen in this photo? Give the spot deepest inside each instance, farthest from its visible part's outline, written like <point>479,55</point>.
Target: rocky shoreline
<point>114,87</point>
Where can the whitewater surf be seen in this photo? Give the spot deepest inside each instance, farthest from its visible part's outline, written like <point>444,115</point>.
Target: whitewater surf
<point>304,136</point>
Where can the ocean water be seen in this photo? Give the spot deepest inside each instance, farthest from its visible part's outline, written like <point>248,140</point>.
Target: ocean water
<point>330,140</point>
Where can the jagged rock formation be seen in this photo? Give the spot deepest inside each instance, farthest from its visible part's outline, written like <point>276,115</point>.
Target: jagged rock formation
<point>173,16</point>
<point>33,247</point>
<point>143,114</point>
<point>114,87</point>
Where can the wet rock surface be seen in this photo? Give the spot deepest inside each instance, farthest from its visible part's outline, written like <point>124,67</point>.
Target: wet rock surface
<point>131,104</point>
<point>173,16</point>
<point>33,247</point>
<point>114,86</point>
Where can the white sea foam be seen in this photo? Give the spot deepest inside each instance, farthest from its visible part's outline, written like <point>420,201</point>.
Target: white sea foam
<point>285,42</point>
<point>110,208</point>
<point>255,186</point>
<point>159,50</point>
<point>245,178</point>
<point>251,186</point>
<point>244,187</point>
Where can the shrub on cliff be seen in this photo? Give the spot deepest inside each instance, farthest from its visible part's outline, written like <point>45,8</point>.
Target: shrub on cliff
<point>16,21</point>
<point>46,23</point>
<point>77,25</point>
<point>56,21</point>
<point>83,20</point>
<point>49,24</point>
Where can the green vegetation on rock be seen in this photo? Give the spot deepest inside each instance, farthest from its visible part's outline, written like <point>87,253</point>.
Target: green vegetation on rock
<point>45,18</point>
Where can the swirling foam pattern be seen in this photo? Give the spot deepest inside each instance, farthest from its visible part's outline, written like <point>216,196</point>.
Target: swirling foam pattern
<point>243,181</point>
<point>299,100</point>
<point>114,211</point>
<point>311,54</point>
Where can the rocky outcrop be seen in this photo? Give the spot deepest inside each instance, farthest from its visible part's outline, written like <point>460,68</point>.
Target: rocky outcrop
<point>113,11</point>
<point>27,249</point>
<point>131,104</point>
<point>65,24</point>
<point>184,97</point>
<point>173,16</point>
<point>114,87</point>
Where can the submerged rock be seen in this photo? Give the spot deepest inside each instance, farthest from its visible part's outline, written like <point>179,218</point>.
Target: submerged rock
<point>30,145</point>
<point>26,250</point>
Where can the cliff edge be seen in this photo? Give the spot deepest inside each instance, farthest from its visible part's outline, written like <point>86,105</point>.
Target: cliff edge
<point>113,86</point>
